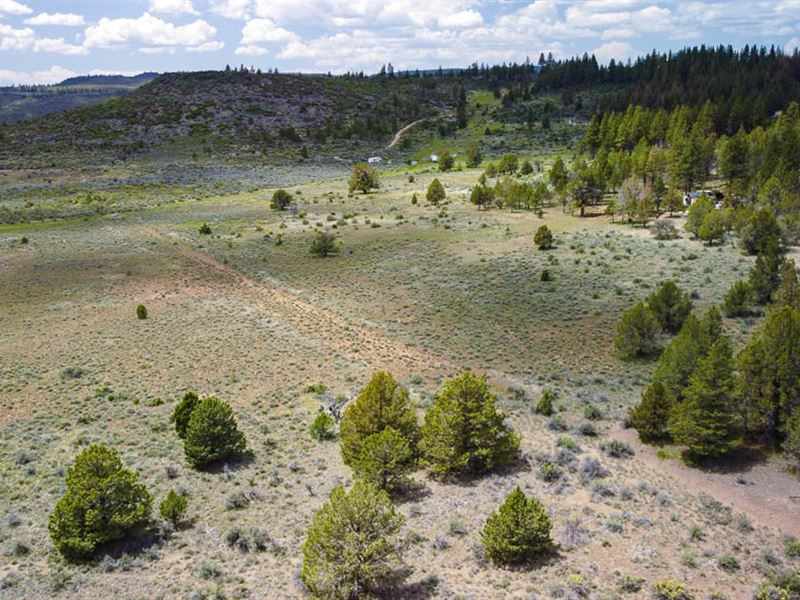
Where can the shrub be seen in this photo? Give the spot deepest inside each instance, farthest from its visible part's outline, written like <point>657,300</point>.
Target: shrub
<point>173,507</point>
<point>739,300</point>
<point>543,238</point>
<point>669,589</point>
<point>545,276</point>
<point>509,163</point>
<point>781,585</point>
<point>281,199</point>
<point>435,192</point>
<point>545,404</point>
<point>616,449</point>
<point>650,417</point>
<point>351,548</point>
<point>637,333</point>
<point>183,412</point>
<point>670,305</point>
<point>364,178</point>
<point>446,161</point>
<point>728,563</point>
<point>323,244</point>
<point>212,434</point>
<point>205,229</point>
<point>518,532</point>
<point>664,230</point>
<point>103,502</point>
<point>323,427</point>
<point>385,459</point>
<point>464,432</point>
<point>473,155</point>
<point>141,311</point>
<point>792,547</point>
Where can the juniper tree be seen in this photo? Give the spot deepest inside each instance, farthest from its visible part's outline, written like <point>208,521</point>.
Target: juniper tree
<point>788,292</point>
<point>543,238</point>
<point>518,531</point>
<point>352,548</point>
<point>765,275</point>
<point>364,178</point>
<point>474,157</point>
<point>670,305</point>
<point>382,403</point>
<point>464,432</point>
<point>637,333</point>
<point>650,417</point>
<point>707,420</point>
<point>173,507</point>
<point>103,502</point>
<point>323,244</point>
<point>386,459</point>
<point>435,192</point>
<point>739,299</point>
<point>183,412</point>
<point>212,434</point>
<point>280,199</point>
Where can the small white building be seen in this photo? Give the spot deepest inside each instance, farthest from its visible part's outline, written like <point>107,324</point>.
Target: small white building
<point>373,160</point>
<point>434,158</point>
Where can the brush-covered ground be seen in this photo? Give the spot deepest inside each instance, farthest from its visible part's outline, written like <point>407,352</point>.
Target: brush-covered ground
<point>247,314</point>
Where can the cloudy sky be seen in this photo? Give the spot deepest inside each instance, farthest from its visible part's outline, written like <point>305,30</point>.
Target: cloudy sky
<point>46,41</point>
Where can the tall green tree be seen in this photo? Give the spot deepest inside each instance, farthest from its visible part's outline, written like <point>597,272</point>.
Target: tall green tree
<point>103,502</point>
<point>765,276</point>
<point>464,432</point>
<point>637,333</point>
<point>558,176</point>
<point>697,213</point>
<point>707,420</point>
<point>364,178</point>
<point>474,157</point>
<point>650,417</point>
<point>382,403</point>
<point>670,305</point>
<point>352,549</point>
<point>788,292</point>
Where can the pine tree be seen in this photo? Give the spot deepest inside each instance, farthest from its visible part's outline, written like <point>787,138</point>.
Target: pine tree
<point>173,507</point>
<point>707,420</point>
<point>435,192</point>
<point>545,405</point>
<point>792,442</point>
<point>788,293</point>
<point>183,412</point>
<point>670,305</point>
<point>385,460</point>
<point>637,333</point>
<point>351,548</point>
<point>382,403</point>
<point>212,434</point>
<point>650,417</point>
<point>543,238</point>
<point>765,276</point>
<point>464,432</point>
<point>103,502</point>
<point>739,299</point>
<point>518,532</point>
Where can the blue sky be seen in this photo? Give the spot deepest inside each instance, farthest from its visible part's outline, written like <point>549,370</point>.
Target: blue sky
<point>46,41</point>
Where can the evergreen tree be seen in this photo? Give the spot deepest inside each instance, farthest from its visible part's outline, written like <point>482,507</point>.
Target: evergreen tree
<point>670,305</point>
<point>352,548</point>
<point>545,404</point>
<point>765,276</point>
<point>364,178</point>
<point>464,432</point>
<point>788,292</point>
<point>518,531</point>
<point>183,412</point>
<point>446,161</point>
<point>212,434</point>
<point>281,199</point>
<point>103,503</point>
<point>323,244</point>
<point>637,333</point>
<point>474,157</point>
<point>382,403</point>
<point>558,176</point>
<point>650,417</point>
<point>435,192</point>
<point>714,226</point>
<point>792,442</point>
<point>385,460</point>
<point>173,507</point>
<point>739,300</point>
<point>543,238</point>
<point>759,231</point>
<point>697,213</point>
<point>707,420</point>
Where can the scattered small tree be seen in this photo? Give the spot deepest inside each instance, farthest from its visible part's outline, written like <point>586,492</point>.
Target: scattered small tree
<point>103,503</point>
<point>650,418</point>
<point>526,168</point>
<point>446,161</point>
<point>364,178</point>
<point>205,229</point>
<point>481,196</point>
<point>323,427</point>
<point>141,311</point>
<point>765,275</point>
<point>714,226</point>
<point>545,404</point>
<point>173,507</point>
<point>386,459</point>
<point>697,213</point>
<point>183,412</point>
<point>509,163</point>
<point>788,292</point>
<point>281,199</point>
<point>464,432</point>
<point>670,305</point>
<point>543,238</point>
<point>436,192</point>
<point>739,300</point>
<point>518,532</point>
<point>212,434</point>
<point>474,157</point>
<point>637,333</point>
<point>323,244</point>
<point>382,403</point>
<point>351,548</point>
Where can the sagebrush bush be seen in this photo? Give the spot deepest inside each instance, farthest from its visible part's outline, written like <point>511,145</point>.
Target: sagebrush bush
<point>518,532</point>
<point>351,548</point>
<point>103,503</point>
<point>212,434</point>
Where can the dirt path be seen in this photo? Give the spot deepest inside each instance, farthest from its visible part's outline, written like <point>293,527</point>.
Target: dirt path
<point>771,497</point>
<point>399,135</point>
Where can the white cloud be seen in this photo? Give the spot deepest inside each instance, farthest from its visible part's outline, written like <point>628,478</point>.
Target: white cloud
<point>175,7</point>
<point>11,7</point>
<point>251,51</point>
<point>792,46</point>
<point>63,19</point>
<point>231,9</point>
<point>15,39</point>
<point>619,51</point>
<point>54,74</point>
<point>465,18</point>
<point>257,31</point>
<point>214,46</point>
<point>147,30</point>
<point>58,46</point>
